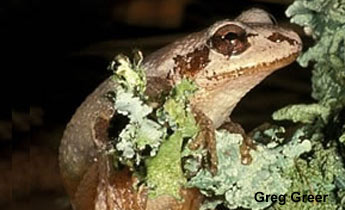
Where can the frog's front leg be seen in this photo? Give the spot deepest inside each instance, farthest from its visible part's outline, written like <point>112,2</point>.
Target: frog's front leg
<point>247,143</point>
<point>206,138</point>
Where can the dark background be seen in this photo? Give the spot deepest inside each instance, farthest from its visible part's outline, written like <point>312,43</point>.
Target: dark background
<point>59,51</point>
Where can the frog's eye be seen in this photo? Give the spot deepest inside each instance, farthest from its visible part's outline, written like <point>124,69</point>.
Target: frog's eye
<point>229,40</point>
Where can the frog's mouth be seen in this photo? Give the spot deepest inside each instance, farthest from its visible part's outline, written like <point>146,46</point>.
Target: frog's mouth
<point>264,67</point>
<point>221,79</point>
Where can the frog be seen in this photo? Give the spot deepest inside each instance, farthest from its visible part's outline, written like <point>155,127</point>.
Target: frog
<point>225,61</point>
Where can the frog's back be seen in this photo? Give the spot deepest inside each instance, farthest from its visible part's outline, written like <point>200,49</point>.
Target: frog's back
<point>78,149</point>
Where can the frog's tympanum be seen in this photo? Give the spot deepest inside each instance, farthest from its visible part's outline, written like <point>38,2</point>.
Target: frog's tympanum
<point>225,60</point>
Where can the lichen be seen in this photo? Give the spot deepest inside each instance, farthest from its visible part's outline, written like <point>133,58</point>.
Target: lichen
<point>164,175</point>
<point>130,75</point>
<point>235,184</point>
<point>164,171</point>
<point>322,170</point>
<point>316,175</point>
<point>325,21</point>
<point>304,113</point>
<point>130,100</point>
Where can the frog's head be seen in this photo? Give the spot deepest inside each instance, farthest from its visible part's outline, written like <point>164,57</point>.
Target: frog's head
<point>227,59</point>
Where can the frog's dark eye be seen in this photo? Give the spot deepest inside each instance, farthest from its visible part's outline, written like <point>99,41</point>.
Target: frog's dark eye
<point>229,40</point>
<point>231,36</point>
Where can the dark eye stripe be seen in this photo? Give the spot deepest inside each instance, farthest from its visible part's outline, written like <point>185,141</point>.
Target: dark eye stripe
<point>278,37</point>
<point>190,64</point>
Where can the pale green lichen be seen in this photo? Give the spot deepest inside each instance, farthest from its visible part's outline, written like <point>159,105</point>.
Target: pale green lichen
<point>325,19</point>
<point>130,101</point>
<point>317,176</point>
<point>129,74</point>
<point>304,113</point>
<point>235,184</point>
<point>128,104</point>
<point>134,138</point>
<point>342,138</point>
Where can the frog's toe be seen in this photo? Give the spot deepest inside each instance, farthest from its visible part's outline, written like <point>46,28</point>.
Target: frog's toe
<point>247,144</point>
<point>206,140</point>
<point>246,158</point>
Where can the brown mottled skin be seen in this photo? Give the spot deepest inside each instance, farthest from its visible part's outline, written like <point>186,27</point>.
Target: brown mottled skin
<point>225,61</point>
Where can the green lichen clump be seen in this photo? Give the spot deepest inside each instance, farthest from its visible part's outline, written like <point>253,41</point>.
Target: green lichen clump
<point>164,171</point>
<point>317,176</point>
<point>304,113</point>
<point>145,142</point>
<point>235,184</point>
<point>130,100</point>
<point>325,21</point>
